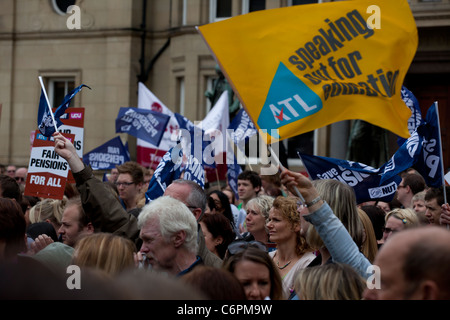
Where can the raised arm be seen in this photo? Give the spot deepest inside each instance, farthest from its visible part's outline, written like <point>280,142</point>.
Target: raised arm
<point>333,233</point>
<point>100,204</point>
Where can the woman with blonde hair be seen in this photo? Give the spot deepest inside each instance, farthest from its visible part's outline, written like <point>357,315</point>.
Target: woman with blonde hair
<point>107,252</point>
<point>293,252</point>
<point>48,210</point>
<point>342,200</point>
<point>332,281</point>
<point>399,219</point>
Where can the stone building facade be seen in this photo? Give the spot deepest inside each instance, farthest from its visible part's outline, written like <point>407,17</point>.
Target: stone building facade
<point>121,42</point>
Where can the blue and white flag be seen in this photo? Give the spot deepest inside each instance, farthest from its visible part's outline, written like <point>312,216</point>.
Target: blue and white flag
<point>416,114</point>
<point>144,124</point>
<point>364,179</point>
<point>421,151</point>
<point>168,170</point>
<point>108,155</point>
<point>242,129</point>
<point>196,141</point>
<point>45,121</point>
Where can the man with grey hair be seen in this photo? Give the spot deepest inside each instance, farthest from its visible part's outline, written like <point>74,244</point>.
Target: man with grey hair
<point>169,236</point>
<point>194,197</point>
<point>108,215</point>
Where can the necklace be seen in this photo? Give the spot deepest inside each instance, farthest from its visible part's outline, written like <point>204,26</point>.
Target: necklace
<point>278,263</point>
<point>281,268</point>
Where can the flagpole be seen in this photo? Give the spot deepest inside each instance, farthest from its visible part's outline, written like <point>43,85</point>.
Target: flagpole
<point>281,167</point>
<point>441,155</point>
<point>48,103</point>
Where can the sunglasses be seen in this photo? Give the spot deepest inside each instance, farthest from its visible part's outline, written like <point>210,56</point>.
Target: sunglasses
<point>19,179</point>
<point>239,246</point>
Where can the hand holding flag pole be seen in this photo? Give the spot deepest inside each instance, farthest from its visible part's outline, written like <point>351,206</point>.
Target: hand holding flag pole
<point>48,103</point>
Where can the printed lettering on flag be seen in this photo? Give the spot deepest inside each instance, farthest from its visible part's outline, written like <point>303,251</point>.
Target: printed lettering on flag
<point>303,67</point>
<point>107,156</point>
<point>364,179</point>
<point>141,123</point>
<point>421,151</point>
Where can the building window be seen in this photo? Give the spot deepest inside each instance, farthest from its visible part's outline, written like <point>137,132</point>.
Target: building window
<point>220,10</point>
<point>58,88</point>
<point>180,96</point>
<point>60,6</point>
<point>253,5</point>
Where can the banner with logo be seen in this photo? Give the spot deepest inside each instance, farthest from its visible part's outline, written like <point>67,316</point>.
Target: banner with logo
<point>299,68</point>
<point>47,171</point>
<point>364,179</point>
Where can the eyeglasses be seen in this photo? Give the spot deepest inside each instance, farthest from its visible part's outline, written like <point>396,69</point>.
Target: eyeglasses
<point>20,179</point>
<point>239,246</point>
<point>125,184</point>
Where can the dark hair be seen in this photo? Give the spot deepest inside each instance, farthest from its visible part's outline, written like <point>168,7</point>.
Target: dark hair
<point>415,181</point>
<point>34,230</point>
<point>219,225</point>
<point>12,227</point>
<point>376,215</point>
<point>437,193</point>
<point>215,283</point>
<point>10,188</point>
<point>134,169</point>
<point>262,257</point>
<point>251,176</point>
<point>225,203</point>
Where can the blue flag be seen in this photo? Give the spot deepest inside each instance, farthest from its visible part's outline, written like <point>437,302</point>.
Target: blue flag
<point>144,124</point>
<point>364,179</point>
<point>233,171</point>
<point>108,155</point>
<point>421,151</point>
<point>196,142</point>
<point>45,121</point>
<point>416,114</point>
<point>243,128</point>
<point>168,170</point>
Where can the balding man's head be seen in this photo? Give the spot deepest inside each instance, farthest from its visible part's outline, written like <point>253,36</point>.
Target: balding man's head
<point>414,265</point>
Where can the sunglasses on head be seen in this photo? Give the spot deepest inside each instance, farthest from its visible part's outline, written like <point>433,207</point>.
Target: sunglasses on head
<point>239,246</point>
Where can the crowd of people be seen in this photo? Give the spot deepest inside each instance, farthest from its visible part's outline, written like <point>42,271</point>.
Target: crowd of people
<point>194,243</point>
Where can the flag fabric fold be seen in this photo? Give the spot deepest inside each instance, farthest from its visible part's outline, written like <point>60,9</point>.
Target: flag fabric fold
<point>148,154</point>
<point>364,179</point>
<point>107,156</point>
<point>421,151</point>
<point>141,123</point>
<point>45,121</point>
<point>416,118</point>
<point>300,68</point>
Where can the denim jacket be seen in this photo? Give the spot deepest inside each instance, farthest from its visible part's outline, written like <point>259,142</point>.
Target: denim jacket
<point>337,240</point>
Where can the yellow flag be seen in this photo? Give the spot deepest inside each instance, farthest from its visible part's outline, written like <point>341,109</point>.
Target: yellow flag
<point>299,68</point>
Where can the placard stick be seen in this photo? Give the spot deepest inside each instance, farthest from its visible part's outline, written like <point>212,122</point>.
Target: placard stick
<point>48,103</point>
<point>281,167</point>
<point>441,156</point>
